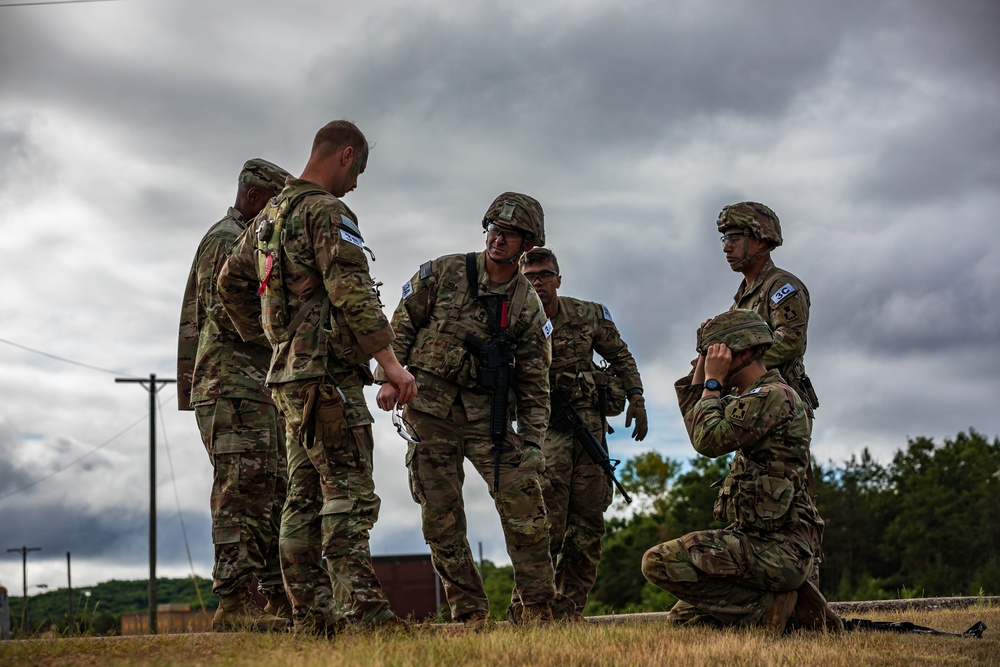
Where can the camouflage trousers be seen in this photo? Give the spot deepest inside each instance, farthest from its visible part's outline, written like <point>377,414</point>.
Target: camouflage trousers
<point>245,441</point>
<point>437,473</point>
<point>576,494</point>
<point>729,575</point>
<point>330,510</point>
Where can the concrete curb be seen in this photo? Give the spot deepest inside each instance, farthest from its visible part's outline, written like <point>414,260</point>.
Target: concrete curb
<point>842,608</point>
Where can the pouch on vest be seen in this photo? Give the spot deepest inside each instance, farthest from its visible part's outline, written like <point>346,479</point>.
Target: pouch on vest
<point>611,390</point>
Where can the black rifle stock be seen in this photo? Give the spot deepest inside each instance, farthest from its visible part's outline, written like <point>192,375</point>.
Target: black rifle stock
<point>495,360</point>
<point>562,407</point>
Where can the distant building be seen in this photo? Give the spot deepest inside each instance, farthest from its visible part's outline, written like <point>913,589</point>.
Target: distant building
<point>170,619</point>
<point>409,581</point>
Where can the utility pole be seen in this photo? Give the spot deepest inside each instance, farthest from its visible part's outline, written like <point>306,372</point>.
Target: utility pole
<point>152,385</point>
<point>70,620</point>
<point>24,574</point>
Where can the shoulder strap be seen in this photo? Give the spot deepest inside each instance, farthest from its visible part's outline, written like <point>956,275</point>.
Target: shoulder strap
<point>472,275</point>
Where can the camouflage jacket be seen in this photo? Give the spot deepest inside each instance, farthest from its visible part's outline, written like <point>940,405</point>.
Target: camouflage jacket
<point>783,302</point>
<point>581,328</point>
<point>317,254</point>
<point>769,483</point>
<point>430,323</point>
<point>212,360</point>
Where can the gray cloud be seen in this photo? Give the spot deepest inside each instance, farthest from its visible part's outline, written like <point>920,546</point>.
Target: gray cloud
<point>869,127</point>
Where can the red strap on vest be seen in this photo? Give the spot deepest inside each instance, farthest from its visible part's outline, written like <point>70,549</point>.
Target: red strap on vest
<point>268,265</point>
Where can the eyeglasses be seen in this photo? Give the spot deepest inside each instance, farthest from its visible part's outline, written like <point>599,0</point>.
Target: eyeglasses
<point>403,427</point>
<point>508,233</point>
<point>730,239</point>
<point>541,276</point>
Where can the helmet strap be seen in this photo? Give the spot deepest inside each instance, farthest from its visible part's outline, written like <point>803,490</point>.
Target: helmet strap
<point>750,260</point>
<point>743,364</point>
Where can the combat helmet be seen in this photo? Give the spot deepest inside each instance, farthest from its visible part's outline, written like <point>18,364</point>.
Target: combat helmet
<point>521,212</point>
<point>759,219</point>
<point>738,329</point>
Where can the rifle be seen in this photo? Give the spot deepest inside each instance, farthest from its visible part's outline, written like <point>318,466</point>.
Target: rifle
<point>495,361</point>
<point>562,408</point>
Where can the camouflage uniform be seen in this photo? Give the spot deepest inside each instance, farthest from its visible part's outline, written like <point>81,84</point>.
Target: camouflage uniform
<point>221,378</point>
<point>783,302</point>
<point>317,373</point>
<point>732,575</point>
<point>576,489</point>
<point>776,295</point>
<point>451,417</point>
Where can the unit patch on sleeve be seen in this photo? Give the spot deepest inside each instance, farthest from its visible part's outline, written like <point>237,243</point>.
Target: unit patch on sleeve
<point>547,328</point>
<point>351,227</point>
<point>351,238</point>
<point>407,289</point>
<point>782,292</point>
<point>606,312</point>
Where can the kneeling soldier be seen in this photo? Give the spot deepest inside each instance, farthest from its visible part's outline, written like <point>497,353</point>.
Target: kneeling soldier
<point>754,571</point>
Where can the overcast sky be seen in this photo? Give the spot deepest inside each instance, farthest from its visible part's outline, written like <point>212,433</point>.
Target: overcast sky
<point>872,128</point>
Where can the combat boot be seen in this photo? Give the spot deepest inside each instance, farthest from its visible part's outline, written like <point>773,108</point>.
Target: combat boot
<point>813,612</point>
<point>536,614</point>
<point>776,616</point>
<point>279,606</point>
<point>476,621</point>
<point>237,611</point>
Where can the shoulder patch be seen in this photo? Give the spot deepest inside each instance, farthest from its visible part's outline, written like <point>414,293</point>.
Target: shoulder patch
<point>351,238</point>
<point>425,270</point>
<point>351,226</point>
<point>785,291</point>
<point>606,313</point>
<point>744,409</point>
<point>547,328</point>
<point>407,289</point>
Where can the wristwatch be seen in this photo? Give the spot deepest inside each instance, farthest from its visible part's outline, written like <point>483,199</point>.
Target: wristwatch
<point>711,384</point>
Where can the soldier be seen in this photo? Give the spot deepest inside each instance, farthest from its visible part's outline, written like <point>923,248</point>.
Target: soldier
<point>221,378</point>
<point>754,571</point>
<point>321,312</point>
<point>576,490</point>
<point>441,306</point>
<point>749,232</point>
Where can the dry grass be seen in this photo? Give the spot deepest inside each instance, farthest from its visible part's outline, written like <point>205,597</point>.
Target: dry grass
<point>648,643</point>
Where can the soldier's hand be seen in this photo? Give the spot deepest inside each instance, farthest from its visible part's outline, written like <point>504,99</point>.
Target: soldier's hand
<point>404,384</point>
<point>386,398</point>
<point>699,370</point>
<point>718,359</point>
<point>637,411</point>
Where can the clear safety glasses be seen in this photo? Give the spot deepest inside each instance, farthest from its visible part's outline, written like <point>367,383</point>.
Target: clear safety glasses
<point>403,427</point>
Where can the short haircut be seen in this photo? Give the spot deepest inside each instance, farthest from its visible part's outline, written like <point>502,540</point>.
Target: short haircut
<point>337,135</point>
<point>537,256</point>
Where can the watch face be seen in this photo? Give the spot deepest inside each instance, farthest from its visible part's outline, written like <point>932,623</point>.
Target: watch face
<point>713,385</point>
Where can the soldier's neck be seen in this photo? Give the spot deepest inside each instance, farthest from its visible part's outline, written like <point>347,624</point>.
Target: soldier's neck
<point>552,307</point>
<point>500,273</point>
<point>750,274</point>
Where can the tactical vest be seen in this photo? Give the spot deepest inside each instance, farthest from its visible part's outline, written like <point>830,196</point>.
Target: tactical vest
<point>756,496</point>
<point>584,379</point>
<point>274,317</point>
<point>439,346</point>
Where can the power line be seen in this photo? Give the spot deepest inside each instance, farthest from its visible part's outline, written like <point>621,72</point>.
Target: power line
<point>51,2</point>
<point>56,357</point>
<point>177,497</point>
<point>74,462</point>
